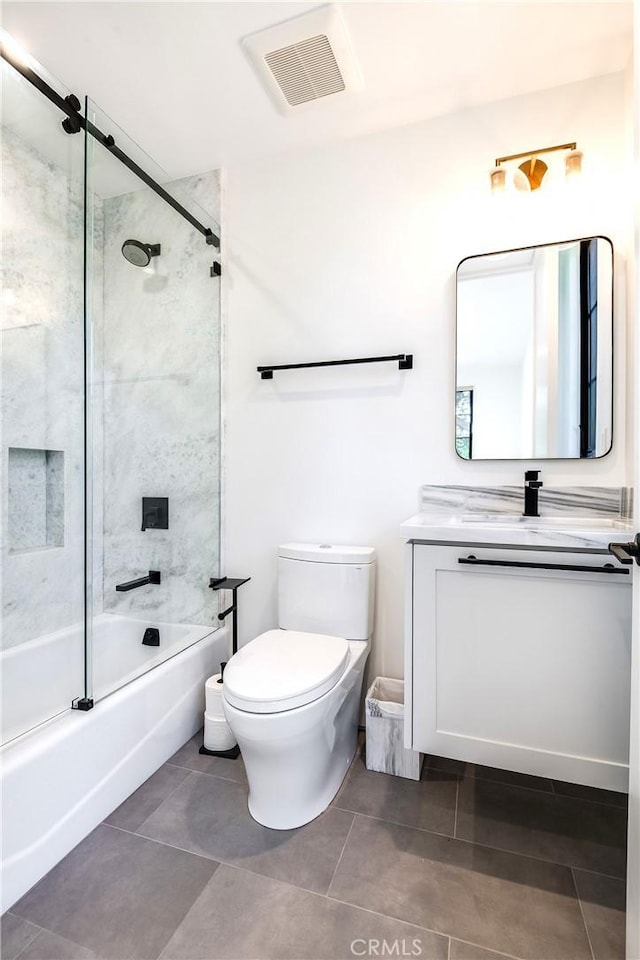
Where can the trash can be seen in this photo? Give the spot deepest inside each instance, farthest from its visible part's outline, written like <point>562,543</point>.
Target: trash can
<point>385,749</point>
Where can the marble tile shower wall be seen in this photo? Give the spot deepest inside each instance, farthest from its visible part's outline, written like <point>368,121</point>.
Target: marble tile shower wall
<point>42,378</point>
<point>161,425</point>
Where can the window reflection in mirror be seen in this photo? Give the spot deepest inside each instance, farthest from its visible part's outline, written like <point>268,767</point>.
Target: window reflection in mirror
<point>534,352</point>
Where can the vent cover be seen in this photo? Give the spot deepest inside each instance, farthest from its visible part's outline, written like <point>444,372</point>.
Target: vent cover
<point>306,71</point>
<point>305,59</point>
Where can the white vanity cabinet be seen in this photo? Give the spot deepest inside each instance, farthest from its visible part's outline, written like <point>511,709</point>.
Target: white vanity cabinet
<point>514,662</point>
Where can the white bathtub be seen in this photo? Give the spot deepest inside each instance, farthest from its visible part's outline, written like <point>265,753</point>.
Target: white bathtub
<point>41,678</point>
<point>64,777</point>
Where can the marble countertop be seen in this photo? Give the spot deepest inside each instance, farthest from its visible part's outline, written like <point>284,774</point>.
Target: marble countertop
<point>514,530</point>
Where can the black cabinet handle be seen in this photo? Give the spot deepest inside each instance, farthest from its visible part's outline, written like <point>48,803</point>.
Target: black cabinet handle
<point>625,552</point>
<point>474,562</point>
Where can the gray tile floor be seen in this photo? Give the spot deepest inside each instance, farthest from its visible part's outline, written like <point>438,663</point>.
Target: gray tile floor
<point>471,863</point>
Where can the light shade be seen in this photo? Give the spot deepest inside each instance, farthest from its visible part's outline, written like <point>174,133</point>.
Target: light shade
<point>529,174</point>
<point>573,163</point>
<point>498,178</point>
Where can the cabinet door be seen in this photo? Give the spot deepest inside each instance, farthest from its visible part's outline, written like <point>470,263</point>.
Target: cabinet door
<point>520,668</point>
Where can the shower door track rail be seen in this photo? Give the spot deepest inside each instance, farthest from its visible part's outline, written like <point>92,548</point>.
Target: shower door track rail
<point>77,122</point>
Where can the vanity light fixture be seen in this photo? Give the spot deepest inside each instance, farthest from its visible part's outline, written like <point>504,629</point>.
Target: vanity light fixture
<point>531,171</point>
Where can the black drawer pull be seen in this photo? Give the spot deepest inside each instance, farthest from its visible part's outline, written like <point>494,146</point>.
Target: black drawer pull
<point>608,567</point>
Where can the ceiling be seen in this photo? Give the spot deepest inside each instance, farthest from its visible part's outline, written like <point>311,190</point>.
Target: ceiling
<point>175,77</point>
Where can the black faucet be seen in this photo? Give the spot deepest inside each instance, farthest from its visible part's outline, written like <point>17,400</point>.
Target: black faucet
<point>154,577</point>
<point>531,487</point>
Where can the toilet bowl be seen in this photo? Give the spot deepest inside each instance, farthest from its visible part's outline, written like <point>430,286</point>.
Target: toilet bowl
<point>292,695</point>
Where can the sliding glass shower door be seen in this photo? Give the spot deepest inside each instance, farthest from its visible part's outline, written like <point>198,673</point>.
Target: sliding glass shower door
<point>42,408</point>
<point>109,404</point>
<point>154,303</point>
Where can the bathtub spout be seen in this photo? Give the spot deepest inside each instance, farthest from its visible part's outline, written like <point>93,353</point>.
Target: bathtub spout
<point>151,637</point>
<point>154,577</point>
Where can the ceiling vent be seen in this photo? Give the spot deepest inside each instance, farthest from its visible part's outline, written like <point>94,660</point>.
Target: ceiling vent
<point>305,59</point>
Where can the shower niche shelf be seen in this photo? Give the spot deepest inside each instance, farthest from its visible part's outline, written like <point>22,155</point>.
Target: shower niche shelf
<point>36,499</point>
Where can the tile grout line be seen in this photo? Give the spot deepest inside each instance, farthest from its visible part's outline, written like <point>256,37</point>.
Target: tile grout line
<point>448,948</point>
<point>344,846</point>
<point>471,943</point>
<point>531,856</point>
<point>164,843</point>
<point>39,930</point>
<point>394,823</point>
<point>521,786</point>
<point>384,916</point>
<point>503,783</point>
<point>324,896</point>
<point>484,846</point>
<point>219,776</point>
<point>410,923</point>
<point>455,818</point>
<point>584,920</point>
<point>598,803</point>
<point>161,804</point>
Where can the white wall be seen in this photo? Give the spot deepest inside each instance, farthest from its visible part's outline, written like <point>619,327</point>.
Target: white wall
<point>351,251</point>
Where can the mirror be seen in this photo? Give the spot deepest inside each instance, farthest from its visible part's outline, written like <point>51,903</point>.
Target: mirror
<point>534,352</point>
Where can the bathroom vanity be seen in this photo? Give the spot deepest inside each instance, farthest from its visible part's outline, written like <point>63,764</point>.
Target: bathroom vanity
<point>518,644</point>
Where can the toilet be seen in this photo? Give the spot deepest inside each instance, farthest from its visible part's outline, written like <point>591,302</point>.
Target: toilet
<point>291,696</point>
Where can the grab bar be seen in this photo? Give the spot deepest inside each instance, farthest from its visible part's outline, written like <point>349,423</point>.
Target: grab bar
<point>608,567</point>
<point>154,577</point>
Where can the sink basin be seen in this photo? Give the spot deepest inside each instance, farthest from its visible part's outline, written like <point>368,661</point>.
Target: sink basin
<point>564,523</point>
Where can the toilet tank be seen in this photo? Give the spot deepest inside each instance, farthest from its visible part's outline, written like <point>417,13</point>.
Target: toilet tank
<point>326,589</point>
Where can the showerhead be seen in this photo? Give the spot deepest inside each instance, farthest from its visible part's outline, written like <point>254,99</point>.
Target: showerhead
<point>138,253</point>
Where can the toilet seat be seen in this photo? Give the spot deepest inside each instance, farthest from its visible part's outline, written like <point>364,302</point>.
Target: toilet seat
<point>284,669</point>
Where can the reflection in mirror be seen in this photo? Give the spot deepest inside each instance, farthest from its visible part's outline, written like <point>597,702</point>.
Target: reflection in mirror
<point>534,352</point>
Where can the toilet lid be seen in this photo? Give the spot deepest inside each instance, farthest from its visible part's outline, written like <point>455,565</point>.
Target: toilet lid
<point>283,669</point>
